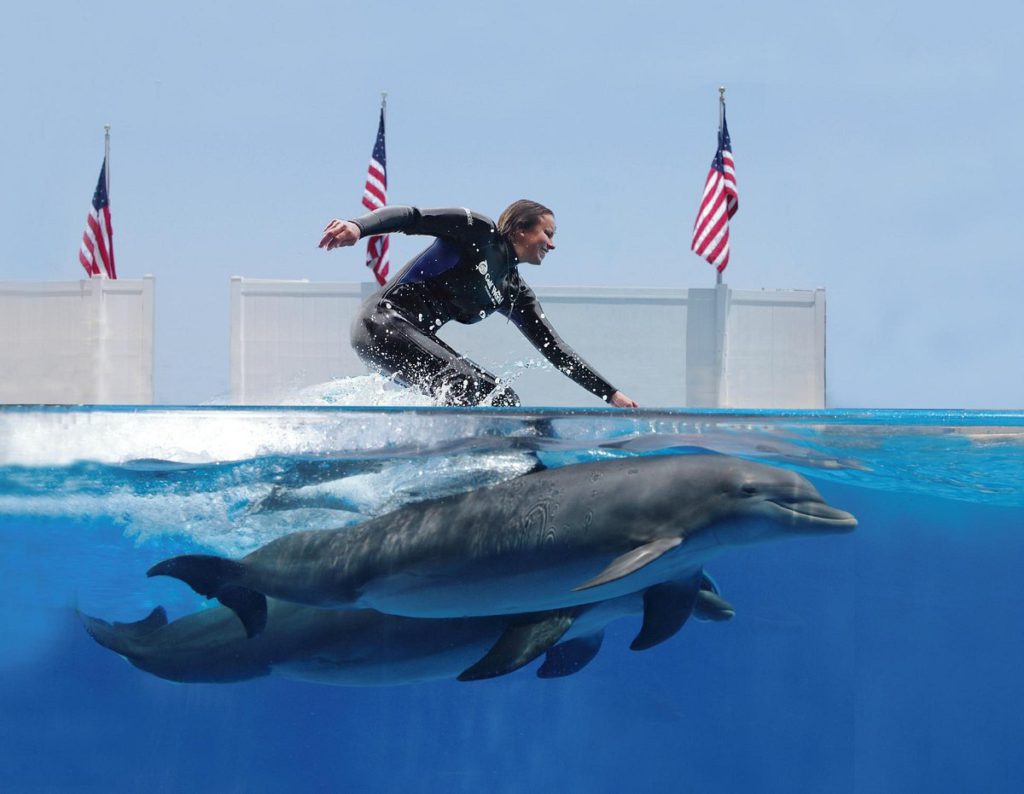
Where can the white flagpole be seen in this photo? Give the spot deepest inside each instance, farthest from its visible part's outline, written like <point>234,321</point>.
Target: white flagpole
<point>106,175</point>
<point>384,118</point>
<point>106,155</point>
<point>103,365</point>
<point>384,115</point>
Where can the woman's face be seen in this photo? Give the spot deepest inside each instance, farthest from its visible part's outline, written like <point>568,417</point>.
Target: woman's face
<point>531,245</point>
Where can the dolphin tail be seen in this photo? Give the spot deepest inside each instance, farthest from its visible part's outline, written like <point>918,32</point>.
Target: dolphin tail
<point>520,644</point>
<point>570,656</point>
<point>215,577</point>
<point>631,562</point>
<point>121,638</point>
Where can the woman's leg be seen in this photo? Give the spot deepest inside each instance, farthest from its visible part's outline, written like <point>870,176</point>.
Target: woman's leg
<point>389,343</point>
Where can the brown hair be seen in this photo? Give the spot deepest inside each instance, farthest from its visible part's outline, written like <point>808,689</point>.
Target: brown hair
<point>519,215</point>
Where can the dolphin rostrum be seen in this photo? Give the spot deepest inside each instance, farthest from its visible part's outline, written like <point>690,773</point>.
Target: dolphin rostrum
<point>548,540</point>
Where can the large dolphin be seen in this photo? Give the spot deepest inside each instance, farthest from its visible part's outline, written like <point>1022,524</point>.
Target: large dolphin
<point>364,647</point>
<point>551,539</point>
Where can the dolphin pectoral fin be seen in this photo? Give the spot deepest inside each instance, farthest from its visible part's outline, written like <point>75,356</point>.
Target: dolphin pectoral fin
<point>667,607</point>
<point>570,656</point>
<point>215,577</point>
<point>631,562</point>
<point>520,644</point>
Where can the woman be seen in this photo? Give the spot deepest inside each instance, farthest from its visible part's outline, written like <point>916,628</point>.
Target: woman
<point>470,271</point>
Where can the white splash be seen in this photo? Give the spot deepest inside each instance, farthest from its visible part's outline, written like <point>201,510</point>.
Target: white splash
<point>362,390</point>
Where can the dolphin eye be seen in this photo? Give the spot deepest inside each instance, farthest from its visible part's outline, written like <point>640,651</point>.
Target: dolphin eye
<point>748,489</point>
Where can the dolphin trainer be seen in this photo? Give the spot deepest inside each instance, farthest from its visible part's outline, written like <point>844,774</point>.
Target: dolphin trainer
<point>547,540</point>
<point>363,647</point>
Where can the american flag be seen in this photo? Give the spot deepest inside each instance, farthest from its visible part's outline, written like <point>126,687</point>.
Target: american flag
<point>718,205</point>
<point>98,239</point>
<point>375,196</point>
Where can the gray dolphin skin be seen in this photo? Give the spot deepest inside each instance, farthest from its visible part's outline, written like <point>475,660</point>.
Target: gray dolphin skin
<point>547,540</point>
<point>368,648</point>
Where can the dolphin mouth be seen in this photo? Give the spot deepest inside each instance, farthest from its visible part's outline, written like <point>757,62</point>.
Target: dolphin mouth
<point>816,514</point>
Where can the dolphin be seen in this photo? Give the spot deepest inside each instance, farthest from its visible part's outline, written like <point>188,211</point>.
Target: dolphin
<point>551,539</point>
<point>368,648</point>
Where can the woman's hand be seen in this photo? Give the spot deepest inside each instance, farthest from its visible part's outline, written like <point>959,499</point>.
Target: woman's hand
<point>620,400</point>
<point>338,234</point>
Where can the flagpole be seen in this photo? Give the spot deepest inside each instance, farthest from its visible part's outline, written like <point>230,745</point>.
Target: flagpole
<point>721,118</point>
<point>384,108</point>
<point>106,155</point>
<point>106,170</point>
<point>103,367</point>
<point>106,174</point>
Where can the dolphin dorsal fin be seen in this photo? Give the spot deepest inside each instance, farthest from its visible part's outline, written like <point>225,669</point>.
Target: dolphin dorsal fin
<point>631,561</point>
<point>156,619</point>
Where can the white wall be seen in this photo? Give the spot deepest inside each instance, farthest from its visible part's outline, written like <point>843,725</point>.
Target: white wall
<point>775,349</point>
<point>665,348</point>
<point>635,338</point>
<point>91,341</point>
<point>87,341</point>
<point>289,334</point>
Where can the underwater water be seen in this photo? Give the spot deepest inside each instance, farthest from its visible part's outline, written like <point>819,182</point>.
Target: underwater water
<point>885,659</point>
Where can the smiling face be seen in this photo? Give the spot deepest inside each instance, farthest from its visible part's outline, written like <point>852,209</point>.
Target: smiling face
<point>761,502</point>
<point>710,499</point>
<point>532,245</point>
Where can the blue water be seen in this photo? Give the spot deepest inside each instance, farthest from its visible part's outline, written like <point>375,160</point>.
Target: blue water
<point>888,659</point>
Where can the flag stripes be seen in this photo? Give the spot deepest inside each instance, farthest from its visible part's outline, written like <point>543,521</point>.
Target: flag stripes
<point>718,204</point>
<point>375,196</point>
<point>97,249</point>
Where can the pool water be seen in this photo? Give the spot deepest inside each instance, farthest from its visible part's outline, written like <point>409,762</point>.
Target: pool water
<point>887,659</point>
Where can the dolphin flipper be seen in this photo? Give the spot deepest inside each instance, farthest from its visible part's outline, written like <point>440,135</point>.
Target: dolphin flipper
<point>214,577</point>
<point>570,656</point>
<point>667,606</point>
<point>631,561</point>
<point>520,644</point>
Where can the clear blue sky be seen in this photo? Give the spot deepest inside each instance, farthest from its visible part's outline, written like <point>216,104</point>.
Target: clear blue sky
<point>868,139</point>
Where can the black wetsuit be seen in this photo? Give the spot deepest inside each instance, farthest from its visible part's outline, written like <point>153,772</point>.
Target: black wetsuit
<point>469,272</point>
